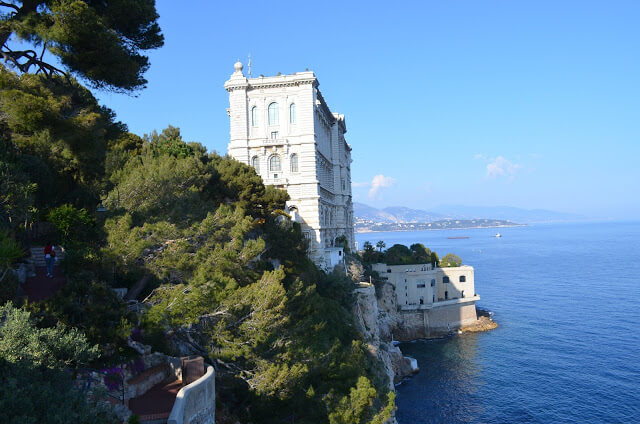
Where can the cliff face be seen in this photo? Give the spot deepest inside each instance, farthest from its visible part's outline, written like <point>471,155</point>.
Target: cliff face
<point>376,325</point>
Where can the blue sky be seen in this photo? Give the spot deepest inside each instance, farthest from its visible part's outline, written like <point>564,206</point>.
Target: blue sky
<point>533,104</point>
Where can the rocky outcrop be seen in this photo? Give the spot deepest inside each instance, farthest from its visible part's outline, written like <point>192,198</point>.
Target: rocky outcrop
<point>376,325</point>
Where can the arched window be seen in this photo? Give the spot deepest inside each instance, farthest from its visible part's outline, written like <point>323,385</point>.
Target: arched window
<point>273,114</point>
<point>255,162</point>
<point>292,113</point>
<point>294,163</point>
<point>254,116</point>
<point>274,163</point>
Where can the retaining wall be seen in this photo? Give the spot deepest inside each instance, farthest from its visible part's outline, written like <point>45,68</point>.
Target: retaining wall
<point>196,403</point>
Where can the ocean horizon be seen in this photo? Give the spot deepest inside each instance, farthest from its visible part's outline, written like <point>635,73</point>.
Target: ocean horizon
<point>567,349</point>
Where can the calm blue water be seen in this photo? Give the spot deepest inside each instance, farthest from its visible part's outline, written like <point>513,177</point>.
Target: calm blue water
<point>567,299</point>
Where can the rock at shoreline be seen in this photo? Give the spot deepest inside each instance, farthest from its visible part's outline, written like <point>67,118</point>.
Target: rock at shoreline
<point>484,323</point>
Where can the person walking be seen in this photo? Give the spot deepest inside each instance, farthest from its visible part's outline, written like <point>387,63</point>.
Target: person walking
<point>49,258</point>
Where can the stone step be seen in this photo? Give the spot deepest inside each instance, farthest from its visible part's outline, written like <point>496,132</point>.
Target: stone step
<point>37,254</point>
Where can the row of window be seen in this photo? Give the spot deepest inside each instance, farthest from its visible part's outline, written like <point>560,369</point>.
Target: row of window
<point>462,279</point>
<point>273,114</point>
<point>445,280</point>
<point>275,163</point>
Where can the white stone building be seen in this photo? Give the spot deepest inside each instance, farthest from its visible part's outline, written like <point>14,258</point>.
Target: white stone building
<point>282,126</point>
<point>440,299</point>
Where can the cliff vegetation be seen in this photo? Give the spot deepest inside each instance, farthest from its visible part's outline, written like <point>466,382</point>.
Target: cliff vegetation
<point>205,246</point>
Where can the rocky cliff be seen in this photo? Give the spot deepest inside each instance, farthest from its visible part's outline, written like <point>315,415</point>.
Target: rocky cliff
<point>376,325</point>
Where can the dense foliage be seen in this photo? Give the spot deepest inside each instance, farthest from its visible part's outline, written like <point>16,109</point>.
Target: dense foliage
<point>450,260</point>
<point>399,254</point>
<point>36,386</point>
<point>96,40</point>
<point>284,339</point>
<point>54,139</point>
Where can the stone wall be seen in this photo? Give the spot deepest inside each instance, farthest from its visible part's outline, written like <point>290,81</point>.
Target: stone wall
<point>434,322</point>
<point>196,403</point>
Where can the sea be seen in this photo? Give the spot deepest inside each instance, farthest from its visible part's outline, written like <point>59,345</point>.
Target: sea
<point>567,349</point>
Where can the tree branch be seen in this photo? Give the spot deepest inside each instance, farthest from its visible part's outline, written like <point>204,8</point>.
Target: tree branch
<point>25,59</point>
<point>13,6</point>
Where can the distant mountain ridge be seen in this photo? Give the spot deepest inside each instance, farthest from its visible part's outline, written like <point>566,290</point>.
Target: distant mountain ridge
<point>400,214</point>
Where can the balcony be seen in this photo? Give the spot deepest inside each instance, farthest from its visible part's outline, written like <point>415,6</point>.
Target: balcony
<point>274,141</point>
<point>276,181</point>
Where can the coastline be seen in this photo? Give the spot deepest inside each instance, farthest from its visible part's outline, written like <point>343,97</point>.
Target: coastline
<point>367,231</point>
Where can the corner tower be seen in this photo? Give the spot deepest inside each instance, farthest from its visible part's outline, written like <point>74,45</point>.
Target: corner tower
<point>282,126</point>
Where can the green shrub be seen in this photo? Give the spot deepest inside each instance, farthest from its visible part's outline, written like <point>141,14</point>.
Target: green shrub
<point>450,260</point>
<point>72,223</point>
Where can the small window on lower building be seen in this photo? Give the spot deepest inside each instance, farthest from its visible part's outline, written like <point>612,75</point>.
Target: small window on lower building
<point>463,278</point>
<point>421,286</point>
<point>433,282</point>
<point>446,295</point>
<point>421,300</point>
<point>445,280</point>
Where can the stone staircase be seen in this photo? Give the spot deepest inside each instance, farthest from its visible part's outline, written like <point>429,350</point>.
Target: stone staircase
<point>37,255</point>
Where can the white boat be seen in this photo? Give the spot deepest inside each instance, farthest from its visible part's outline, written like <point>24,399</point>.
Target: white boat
<point>498,235</point>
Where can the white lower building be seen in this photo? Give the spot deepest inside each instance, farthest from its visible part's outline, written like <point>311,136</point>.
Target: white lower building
<point>443,298</point>
<point>282,126</point>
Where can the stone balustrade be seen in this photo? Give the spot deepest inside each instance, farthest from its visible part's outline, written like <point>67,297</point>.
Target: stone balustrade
<point>196,402</point>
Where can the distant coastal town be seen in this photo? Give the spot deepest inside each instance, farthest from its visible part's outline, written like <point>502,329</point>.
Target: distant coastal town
<point>370,226</point>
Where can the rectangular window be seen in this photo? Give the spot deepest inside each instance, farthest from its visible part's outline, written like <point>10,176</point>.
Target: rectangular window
<point>433,282</point>
<point>445,280</point>
<point>292,113</point>
<point>421,286</point>
<point>254,116</point>
<point>463,278</point>
<point>274,135</point>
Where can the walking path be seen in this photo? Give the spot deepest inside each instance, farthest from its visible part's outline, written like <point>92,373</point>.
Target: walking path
<point>156,404</point>
<point>41,287</point>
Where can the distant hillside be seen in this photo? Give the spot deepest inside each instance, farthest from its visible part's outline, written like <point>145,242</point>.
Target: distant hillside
<point>398,214</point>
<point>443,224</point>
<point>394,214</point>
<point>506,212</point>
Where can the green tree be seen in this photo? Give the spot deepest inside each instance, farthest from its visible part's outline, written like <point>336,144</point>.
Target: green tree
<point>87,304</point>
<point>60,135</point>
<point>101,42</point>
<point>36,387</point>
<point>450,260</point>
<point>381,245</point>
<point>434,259</point>
<point>31,394</point>
<point>17,194</point>
<point>356,407</point>
<point>57,347</point>
<point>10,251</point>
<point>398,254</point>
<point>71,222</point>
<point>153,186</point>
<point>420,253</point>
